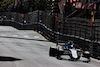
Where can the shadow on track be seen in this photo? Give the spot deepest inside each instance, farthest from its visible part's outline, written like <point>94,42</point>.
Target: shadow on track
<point>4,58</point>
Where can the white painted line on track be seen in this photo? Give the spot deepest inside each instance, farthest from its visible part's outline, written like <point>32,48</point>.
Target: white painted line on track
<point>26,36</point>
<point>15,35</point>
<point>36,36</point>
<point>3,35</point>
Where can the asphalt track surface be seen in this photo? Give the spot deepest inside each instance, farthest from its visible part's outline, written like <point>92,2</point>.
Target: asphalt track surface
<point>27,48</point>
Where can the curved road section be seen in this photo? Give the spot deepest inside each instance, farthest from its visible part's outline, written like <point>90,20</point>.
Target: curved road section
<point>27,48</point>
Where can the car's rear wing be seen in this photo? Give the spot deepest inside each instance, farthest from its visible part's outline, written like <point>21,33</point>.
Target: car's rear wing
<point>61,43</point>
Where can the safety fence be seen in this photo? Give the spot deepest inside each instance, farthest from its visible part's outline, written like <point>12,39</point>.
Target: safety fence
<point>85,33</point>
<point>81,31</point>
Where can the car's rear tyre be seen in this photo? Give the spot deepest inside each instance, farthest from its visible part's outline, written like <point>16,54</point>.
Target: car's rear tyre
<point>52,52</point>
<point>86,54</point>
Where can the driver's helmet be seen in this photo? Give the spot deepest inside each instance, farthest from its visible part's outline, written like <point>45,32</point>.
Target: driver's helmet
<point>70,44</point>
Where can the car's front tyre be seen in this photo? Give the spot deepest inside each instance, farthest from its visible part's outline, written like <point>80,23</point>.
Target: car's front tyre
<point>52,52</point>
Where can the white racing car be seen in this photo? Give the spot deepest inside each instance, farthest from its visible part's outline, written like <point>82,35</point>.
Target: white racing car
<point>69,52</point>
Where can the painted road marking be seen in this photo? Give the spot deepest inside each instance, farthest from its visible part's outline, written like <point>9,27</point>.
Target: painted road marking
<point>36,36</point>
<point>3,35</point>
<point>15,35</point>
<point>26,36</point>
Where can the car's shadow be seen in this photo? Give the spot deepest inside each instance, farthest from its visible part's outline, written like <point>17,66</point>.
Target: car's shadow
<point>5,58</point>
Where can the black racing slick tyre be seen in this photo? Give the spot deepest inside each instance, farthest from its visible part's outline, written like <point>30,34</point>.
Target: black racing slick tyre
<point>52,52</point>
<point>86,54</point>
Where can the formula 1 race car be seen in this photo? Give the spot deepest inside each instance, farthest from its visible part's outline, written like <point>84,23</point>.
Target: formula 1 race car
<point>68,51</point>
